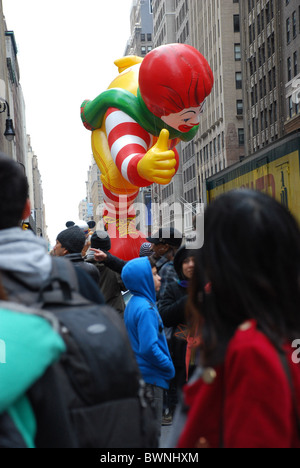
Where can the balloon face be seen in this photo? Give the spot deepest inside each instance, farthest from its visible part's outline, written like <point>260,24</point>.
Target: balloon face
<point>184,120</point>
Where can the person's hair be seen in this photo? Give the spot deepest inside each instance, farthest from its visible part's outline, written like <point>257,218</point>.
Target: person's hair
<point>13,192</point>
<point>248,268</point>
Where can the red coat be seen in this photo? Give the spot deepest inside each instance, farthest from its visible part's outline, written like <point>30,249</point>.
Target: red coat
<point>252,392</point>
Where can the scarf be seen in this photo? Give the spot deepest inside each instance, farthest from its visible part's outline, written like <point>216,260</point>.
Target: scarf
<point>93,112</point>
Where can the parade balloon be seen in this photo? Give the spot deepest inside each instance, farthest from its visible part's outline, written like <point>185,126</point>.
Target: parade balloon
<point>136,124</point>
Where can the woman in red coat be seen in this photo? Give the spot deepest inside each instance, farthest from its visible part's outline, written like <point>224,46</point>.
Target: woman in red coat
<point>245,297</point>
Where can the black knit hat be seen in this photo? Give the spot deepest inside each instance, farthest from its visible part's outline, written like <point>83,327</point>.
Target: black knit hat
<point>167,235</point>
<point>72,239</point>
<point>100,240</point>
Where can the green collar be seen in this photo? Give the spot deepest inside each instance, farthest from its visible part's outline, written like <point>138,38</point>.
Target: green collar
<point>92,113</point>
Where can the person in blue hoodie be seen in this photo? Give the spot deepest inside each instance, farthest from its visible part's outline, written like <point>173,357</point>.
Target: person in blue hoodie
<point>145,328</point>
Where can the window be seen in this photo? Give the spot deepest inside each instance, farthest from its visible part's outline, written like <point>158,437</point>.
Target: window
<point>294,21</point>
<point>290,107</point>
<point>241,135</point>
<point>295,58</point>
<point>237,52</point>
<point>262,120</point>
<point>236,23</point>
<point>288,31</point>
<point>238,80</point>
<point>270,80</point>
<point>239,107</point>
<point>268,13</point>
<point>289,68</point>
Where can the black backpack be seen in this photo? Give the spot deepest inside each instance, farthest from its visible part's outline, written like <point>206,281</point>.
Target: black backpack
<point>106,396</point>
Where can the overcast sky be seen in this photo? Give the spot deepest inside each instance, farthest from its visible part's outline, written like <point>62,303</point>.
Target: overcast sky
<point>66,50</point>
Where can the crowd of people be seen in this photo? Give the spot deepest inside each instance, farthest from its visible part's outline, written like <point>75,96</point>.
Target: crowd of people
<point>212,330</point>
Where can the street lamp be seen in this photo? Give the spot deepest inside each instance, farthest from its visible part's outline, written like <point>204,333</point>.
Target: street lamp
<point>9,127</point>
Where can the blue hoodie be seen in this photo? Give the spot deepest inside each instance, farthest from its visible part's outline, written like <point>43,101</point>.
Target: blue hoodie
<point>144,324</point>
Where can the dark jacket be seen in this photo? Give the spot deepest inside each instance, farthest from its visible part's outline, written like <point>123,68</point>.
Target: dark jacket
<point>172,311</point>
<point>110,284</point>
<point>78,261</point>
<point>171,306</point>
<point>114,263</point>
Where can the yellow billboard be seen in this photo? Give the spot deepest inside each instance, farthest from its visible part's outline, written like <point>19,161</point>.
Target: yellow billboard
<point>275,171</point>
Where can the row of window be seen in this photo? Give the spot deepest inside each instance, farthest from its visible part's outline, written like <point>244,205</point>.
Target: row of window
<point>291,26</point>
<point>167,191</point>
<point>191,195</point>
<point>266,15</point>
<point>214,147</point>
<point>294,106</point>
<point>148,35</point>
<point>292,66</point>
<point>267,117</point>
<point>189,173</point>
<point>262,86</point>
<point>145,50</point>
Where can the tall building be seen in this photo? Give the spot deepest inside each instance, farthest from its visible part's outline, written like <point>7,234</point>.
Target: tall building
<point>166,196</point>
<point>140,43</point>
<point>212,27</point>
<point>141,28</point>
<point>186,189</point>
<point>215,32</point>
<point>85,210</point>
<point>163,22</point>
<point>12,105</point>
<point>95,191</point>
<point>290,46</point>
<point>37,221</point>
<point>271,48</point>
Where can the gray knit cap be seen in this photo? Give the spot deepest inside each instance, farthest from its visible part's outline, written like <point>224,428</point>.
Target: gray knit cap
<point>72,239</point>
<point>146,250</point>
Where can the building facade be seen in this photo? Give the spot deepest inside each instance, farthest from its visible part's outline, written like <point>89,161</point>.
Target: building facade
<point>271,48</point>
<point>12,105</point>
<point>215,32</point>
<point>141,28</point>
<point>290,44</point>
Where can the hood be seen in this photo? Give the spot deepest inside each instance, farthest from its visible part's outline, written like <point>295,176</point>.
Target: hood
<point>28,345</point>
<point>24,254</point>
<point>180,256</point>
<point>138,278</point>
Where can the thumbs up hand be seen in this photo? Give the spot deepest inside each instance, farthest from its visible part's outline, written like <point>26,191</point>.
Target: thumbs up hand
<point>158,164</point>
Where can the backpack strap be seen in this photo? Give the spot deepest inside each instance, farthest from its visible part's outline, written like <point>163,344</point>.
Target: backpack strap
<point>64,270</point>
<point>62,286</point>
